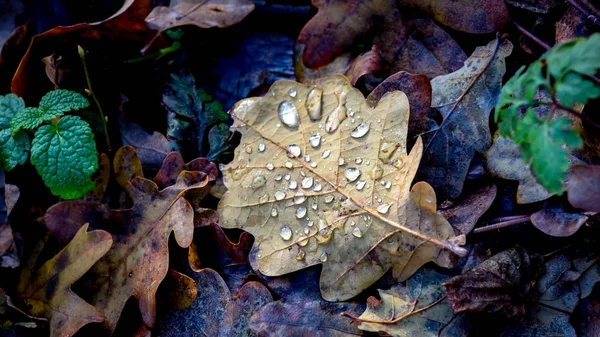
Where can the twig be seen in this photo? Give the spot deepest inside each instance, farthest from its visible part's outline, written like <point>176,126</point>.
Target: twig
<point>525,218</point>
<point>506,218</point>
<point>94,97</point>
<point>591,7</point>
<point>159,53</point>
<point>531,36</point>
<point>584,12</point>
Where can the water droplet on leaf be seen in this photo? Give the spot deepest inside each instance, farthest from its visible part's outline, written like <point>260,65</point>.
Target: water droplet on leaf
<point>288,114</point>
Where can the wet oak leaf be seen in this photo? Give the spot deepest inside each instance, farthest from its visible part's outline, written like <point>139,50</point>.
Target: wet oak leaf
<point>316,184</point>
<point>465,99</point>
<point>138,259</point>
<point>202,13</point>
<point>216,311</point>
<point>47,291</point>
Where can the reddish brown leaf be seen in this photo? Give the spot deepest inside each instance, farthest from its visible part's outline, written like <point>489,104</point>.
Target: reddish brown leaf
<point>416,87</point>
<point>583,187</point>
<point>100,178</point>
<point>11,53</point>
<point>127,165</point>
<point>367,63</point>
<point>496,285</point>
<point>466,211</point>
<point>173,165</point>
<point>214,249</point>
<point>178,290</point>
<point>555,220</point>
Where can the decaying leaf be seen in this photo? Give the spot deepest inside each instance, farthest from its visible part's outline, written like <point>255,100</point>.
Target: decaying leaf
<point>215,312</point>
<point>202,13</point>
<point>419,308</point>
<point>47,291</point>
<point>151,148</point>
<point>416,87</point>
<point>100,179</point>
<point>465,99</point>
<point>179,290</point>
<point>465,212</point>
<point>583,187</point>
<point>322,178</point>
<point>496,285</point>
<point>9,254</point>
<point>555,220</point>
<point>138,260</point>
<point>213,249</point>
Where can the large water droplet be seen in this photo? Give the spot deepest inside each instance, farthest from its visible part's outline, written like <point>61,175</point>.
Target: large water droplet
<point>341,161</point>
<point>293,92</point>
<point>317,187</point>
<point>258,182</point>
<point>261,147</point>
<point>248,150</point>
<point>352,173</point>
<point>314,103</point>
<point>293,185</point>
<point>313,164</point>
<point>300,255</point>
<point>360,130</point>
<point>388,184</point>
<point>325,154</point>
<point>289,164</point>
<point>270,166</point>
<point>286,233</point>
<point>323,257</point>
<point>357,232</point>
<point>303,243</point>
<point>298,199</point>
<point>360,185</point>
<point>300,212</point>
<point>315,141</point>
<point>274,212</point>
<point>337,115</point>
<point>288,114</point>
<point>314,206</point>
<point>279,195</point>
<point>277,177</point>
<point>328,198</point>
<point>384,208</point>
<point>287,176</point>
<point>307,158</point>
<point>307,182</point>
<point>358,160</point>
<point>294,151</point>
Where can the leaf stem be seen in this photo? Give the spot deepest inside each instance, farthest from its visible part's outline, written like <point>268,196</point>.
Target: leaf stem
<point>506,223</point>
<point>531,36</point>
<point>584,12</point>
<point>94,97</point>
<point>160,53</point>
<point>395,320</point>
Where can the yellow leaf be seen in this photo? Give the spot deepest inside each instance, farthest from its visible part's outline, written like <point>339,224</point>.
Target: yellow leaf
<point>322,178</point>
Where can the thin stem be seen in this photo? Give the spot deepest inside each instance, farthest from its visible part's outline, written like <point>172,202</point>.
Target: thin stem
<point>502,224</point>
<point>505,218</point>
<point>160,53</point>
<point>396,320</point>
<point>94,97</point>
<point>584,12</point>
<point>531,36</point>
<point>591,7</point>
<point>581,116</point>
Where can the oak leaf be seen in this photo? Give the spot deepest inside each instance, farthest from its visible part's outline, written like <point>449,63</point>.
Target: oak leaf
<point>138,259</point>
<point>47,291</point>
<point>322,178</point>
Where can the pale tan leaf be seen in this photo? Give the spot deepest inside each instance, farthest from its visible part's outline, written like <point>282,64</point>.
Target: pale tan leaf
<point>322,178</point>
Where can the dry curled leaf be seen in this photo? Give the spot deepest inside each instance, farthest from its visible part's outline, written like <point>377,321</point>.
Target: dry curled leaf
<point>138,259</point>
<point>417,308</point>
<point>47,291</point>
<point>555,220</point>
<point>322,178</point>
<point>466,211</point>
<point>202,13</point>
<point>465,99</point>
<point>215,312</point>
<point>496,285</point>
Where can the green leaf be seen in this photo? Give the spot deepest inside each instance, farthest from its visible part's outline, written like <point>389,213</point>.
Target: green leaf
<point>65,156</point>
<point>217,138</point>
<point>573,88</point>
<point>14,148</point>
<point>53,104</point>
<point>10,105</point>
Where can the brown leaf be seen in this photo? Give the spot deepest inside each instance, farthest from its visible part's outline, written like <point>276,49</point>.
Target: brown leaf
<point>215,312</point>
<point>138,259</point>
<point>127,24</point>
<point>496,285</point>
<point>214,249</point>
<point>304,184</point>
<point>416,87</point>
<point>100,179</point>
<point>47,291</point>
<point>202,13</point>
<point>583,187</point>
<point>178,290</point>
<point>53,70</point>
<point>9,254</point>
<point>466,211</point>
<point>11,53</point>
<point>555,220</point>
<point>572,24</point>
<point>367,63</point>
<point>151,148</point>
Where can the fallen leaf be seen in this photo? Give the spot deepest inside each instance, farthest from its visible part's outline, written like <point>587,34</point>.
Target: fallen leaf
<point>126,24</point>
<point>9,253</point>
<point>338,24</point>
<point>583,187</point>
<point>11,53</point>
<point>586,318</point>
<point>496,285</point>
<point>53,70</point>
<point>572,24</point>
<point>306,188</point>
<point>201,13</point>
<point>504,160</point>
<point>179,290</point>
<point>307,75</point>
<point>47,291</point>
<point>138,259</point>
<point>417,308</point>
<point>215,312</point>
<point>127,165</point>
<point>367,63</point>
<point>557,221</point>
<point>536,6</point>
<point>466,211</point>
<point>213,249</point>
<point>465,99</point>
<point>416,87</point>
<point>100,179</point>
<point>151,148</point>
<point>191,114</point>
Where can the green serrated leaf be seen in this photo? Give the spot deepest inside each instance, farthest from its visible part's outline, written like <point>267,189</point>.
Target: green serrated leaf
<point>59,101</point>
<point>29,118</point>
<point>10,105</point>
<point>14,148</point>
<point>65,156</point>
<point>573,88</point>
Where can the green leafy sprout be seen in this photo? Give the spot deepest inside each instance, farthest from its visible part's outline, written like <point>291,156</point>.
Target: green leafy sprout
<point>539,126</point>
<point>63,149</point>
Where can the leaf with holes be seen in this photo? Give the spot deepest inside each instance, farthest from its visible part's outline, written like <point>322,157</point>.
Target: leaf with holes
<point>320,177</point>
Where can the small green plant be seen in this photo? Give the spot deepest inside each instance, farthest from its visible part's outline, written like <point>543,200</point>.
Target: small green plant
<point>63,149</point>
<point>565,74</point>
